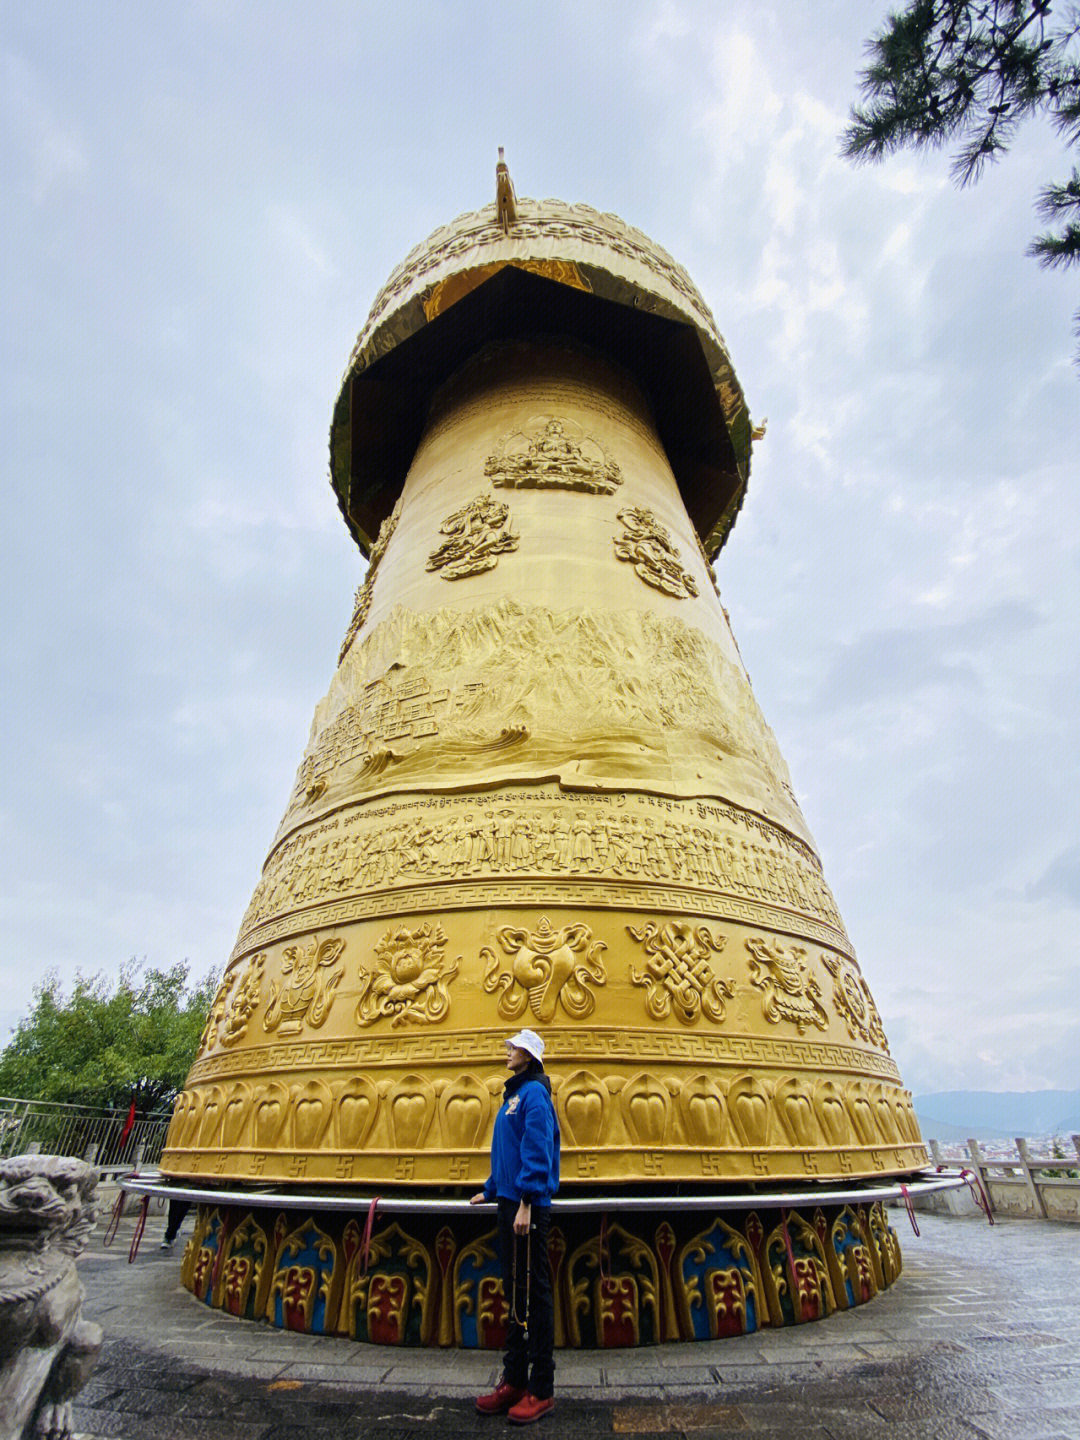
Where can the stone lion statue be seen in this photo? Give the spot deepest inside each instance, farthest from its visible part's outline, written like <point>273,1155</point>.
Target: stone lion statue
<point>47,1350</point>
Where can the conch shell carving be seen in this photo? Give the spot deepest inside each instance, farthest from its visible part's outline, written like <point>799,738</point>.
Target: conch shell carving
<point>548,968</point>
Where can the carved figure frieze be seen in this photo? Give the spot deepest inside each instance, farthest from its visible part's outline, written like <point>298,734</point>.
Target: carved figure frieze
<point>548,968</point>
<point>310,974</point>
<point>677,976</point>
<point>648,546</point>
<point>477,535</point>
<point>789,989</point>
<point>244,1001</point>
<point>854,1003</point>
<point>410,978</point>
<point>552,454</point>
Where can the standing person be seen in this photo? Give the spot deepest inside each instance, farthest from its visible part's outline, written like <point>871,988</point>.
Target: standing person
<point>524,1176</point>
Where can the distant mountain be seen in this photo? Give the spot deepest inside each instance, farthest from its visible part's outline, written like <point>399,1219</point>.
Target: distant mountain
<point>975,1114</point>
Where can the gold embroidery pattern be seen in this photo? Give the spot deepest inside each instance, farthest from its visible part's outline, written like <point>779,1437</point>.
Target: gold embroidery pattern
<point>477,534</point>
<point>305,993</point>
<point>677,976</point>
<point>790,991</point>
<point>409,979</point>
<point>648,546</point>
<point>548,968</point>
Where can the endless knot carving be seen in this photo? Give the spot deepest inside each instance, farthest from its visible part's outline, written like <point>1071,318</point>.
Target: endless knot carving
<point>791,992</point>
<point>548,968</point>
<point>304,995</point>
<point>409,979</point>
<point>478,534</point>
<point>649,548</point>
<point>363,594</point>
<point>244,1002</point>
<point>552,459</point>
<point>677,975</point>
<point>852,998</point>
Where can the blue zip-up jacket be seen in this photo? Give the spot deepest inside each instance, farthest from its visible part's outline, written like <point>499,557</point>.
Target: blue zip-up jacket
<point>525,1142</point>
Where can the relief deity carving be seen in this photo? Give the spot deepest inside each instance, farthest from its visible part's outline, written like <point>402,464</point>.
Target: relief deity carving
<point>548,968</point>
<point>549,458</point>
<point>648,546</point>
<point>790,991</point>
<point>853,1001</point>
<point>363,595</point>
<point>305,993</point>
<point>409,979</point>
<point>677,975</point>
<point>477,535</point>
<point>245,1001</point>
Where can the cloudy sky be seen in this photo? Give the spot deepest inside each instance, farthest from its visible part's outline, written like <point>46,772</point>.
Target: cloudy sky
<point>201,200</point>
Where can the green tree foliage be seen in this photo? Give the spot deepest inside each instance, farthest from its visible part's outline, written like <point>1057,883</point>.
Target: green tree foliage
<point>110,1041</point>
<point>968,72</point>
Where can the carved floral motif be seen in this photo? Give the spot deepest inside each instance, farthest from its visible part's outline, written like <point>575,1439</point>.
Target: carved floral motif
<point>548,968</point>
<point>409,978</point>
<point>477,535</point>
<point>677,975</point>
<point>790,991</point>
<point>550,458</point>
<point>648,546</point>
<point>305,993</point>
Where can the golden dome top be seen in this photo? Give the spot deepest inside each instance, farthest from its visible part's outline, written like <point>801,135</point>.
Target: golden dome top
<point>520,267</point>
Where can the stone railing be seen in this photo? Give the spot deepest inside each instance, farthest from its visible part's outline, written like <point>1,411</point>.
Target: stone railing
<point>1040,1187</point>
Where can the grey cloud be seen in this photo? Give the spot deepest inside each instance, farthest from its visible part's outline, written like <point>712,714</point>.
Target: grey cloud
<point>1060,879</point>
<point>886,663</point>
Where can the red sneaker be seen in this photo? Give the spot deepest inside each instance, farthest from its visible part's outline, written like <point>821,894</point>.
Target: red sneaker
<point>500,1399</point>
<point>530,1409</point>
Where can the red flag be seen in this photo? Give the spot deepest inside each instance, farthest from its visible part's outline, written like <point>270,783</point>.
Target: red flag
<point>128,1123</point>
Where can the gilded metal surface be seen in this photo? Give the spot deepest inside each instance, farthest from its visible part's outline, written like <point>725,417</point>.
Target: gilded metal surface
<point>541,792</point>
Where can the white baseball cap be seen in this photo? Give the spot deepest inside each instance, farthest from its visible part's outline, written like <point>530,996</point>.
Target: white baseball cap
<point>529,1041</point>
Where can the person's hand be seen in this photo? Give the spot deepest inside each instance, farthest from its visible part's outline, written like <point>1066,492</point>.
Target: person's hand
<point>478,1198</point>
<point>523,1218</point>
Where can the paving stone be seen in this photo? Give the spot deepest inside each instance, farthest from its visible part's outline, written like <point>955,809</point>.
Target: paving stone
<point>977,1339</point>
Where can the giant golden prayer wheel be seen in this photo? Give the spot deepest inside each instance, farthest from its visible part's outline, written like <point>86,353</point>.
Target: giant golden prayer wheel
<point>539,789</point>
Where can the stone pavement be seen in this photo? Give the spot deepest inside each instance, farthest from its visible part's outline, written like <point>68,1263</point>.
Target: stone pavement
<point>977,1339</point>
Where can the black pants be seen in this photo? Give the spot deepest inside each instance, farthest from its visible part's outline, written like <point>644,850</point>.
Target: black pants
<point>529,1362</point>
<point>177,1210</point>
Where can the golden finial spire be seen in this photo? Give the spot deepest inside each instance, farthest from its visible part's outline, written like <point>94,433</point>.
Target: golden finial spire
<point>505,199</point>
